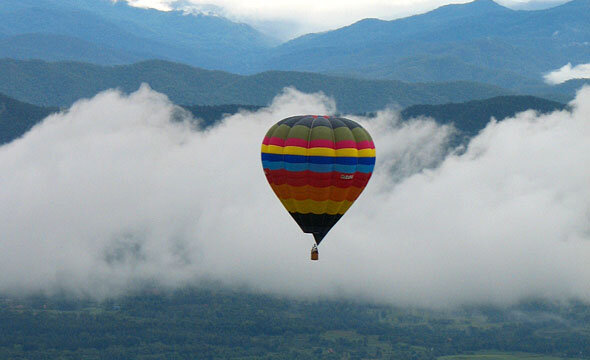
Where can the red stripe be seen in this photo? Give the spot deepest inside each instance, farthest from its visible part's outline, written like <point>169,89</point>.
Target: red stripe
<point>346,144</point>
<point>296,142</point>
<point>301,178</point>
<point>276,141</point>
<point>365,145</point>
<point>321,143</point>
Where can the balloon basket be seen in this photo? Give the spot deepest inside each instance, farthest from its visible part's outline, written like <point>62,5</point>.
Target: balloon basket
<point>315,255</point>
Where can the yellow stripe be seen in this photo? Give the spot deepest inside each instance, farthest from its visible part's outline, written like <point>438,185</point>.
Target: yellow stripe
<point>347,153</point>
<point>316,207</point>
<point>366,153</point>
<point>295,150</point>
<point>320,151</point>
<point>317,151</point>
<point>271,149</point>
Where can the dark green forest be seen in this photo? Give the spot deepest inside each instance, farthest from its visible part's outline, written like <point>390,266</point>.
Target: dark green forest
<point>210,323</point>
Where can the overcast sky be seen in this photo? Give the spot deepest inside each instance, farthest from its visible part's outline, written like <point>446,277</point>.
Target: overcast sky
<point>111,194</point>
<point>288,18</point>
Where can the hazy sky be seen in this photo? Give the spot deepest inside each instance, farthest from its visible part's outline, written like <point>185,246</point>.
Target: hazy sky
<point>110,194</point>
<point>287,18</point>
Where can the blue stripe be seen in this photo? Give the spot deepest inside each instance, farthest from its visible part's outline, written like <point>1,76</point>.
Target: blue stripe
<point>331,160</point>
<point>320,168</point>
<point>298,159</point>
<point>366,169</point>
<point>347,169</point>
<point>367,160</point>
<point>272,157</point>
<point>273,165</point>
<point>295,166</point>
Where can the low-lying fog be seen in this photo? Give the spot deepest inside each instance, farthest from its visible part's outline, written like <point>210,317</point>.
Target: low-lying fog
<point>111,194</point>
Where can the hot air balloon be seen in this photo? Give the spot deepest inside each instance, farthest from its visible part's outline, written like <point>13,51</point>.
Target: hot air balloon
<point>317,166</point>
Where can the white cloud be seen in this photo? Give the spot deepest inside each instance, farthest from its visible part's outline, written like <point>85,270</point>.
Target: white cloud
<point>109,194</point>
<point>531,5</point>
<point>287,19</point>
<point>153,4</point>
<point>567,72</point>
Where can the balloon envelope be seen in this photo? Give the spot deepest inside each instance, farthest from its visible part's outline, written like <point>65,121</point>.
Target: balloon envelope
<point>317,166</point>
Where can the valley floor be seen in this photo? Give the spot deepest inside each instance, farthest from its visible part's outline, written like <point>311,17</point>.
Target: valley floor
<point>212,324</point>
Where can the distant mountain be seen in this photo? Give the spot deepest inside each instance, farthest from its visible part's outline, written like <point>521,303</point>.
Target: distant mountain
<point>54,47</point>
<point>472,116</point>
<point>62,83</point>
<point>478,41</point>
<point>125,34</point>
<point>17,117</point>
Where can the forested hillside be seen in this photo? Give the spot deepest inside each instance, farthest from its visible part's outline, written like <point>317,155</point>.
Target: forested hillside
<point>215,324</point>
<point>472,116</point>
<point>17,117</point>
<point>62,83</point>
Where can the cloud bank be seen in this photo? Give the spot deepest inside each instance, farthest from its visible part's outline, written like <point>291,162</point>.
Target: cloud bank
<point>567,72</point>
<point>112,195</point>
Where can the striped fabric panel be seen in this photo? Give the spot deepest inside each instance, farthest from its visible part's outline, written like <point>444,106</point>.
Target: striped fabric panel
<point>316,207</point>
<point>318,225</point>
<point>320,164</point>
<point>302,178</point>
<point>317,166</point>
<point>332,193</point>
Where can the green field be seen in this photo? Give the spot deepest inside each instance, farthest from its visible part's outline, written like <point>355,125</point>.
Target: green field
<point>502,356</point>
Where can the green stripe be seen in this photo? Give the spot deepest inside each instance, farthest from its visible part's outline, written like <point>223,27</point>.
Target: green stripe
<point>319,132</point>
<point>299,132</point>
<point>343,133</point>
<point>322,133</point>
<point>271,131</point>
<point>361,134</point>
<point>282,131</point>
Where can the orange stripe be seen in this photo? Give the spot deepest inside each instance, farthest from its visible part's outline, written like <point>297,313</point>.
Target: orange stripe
<point>316,207</point>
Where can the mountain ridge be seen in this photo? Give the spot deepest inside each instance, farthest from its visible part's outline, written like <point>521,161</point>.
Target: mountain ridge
<point>480,41</point>
<point>16,117</point>
<point>495,41</point>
